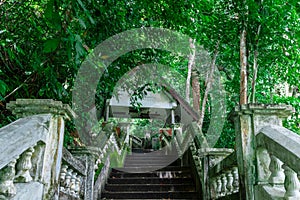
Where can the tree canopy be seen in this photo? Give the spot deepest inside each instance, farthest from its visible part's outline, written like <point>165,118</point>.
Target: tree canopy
<point>43,44</point>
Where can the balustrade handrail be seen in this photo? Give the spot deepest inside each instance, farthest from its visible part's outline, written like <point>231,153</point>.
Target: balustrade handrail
<point>20,135</point>
<point>227,163</point>
<point>75,163</point>
<point>282,143</point>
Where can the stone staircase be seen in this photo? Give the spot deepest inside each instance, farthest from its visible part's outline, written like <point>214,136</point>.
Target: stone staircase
<point>35,165</point>
<point>144,177</point>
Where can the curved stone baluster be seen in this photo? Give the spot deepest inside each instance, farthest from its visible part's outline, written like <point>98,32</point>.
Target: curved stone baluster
<point>236,183</point>
<point>72,184</point>
<point>263,165</point>
<point>62,177</point>
<point>277,174</point>
<point>77,187</point>
<point>291,184</point>
<point>7,175</point>
<point>219,187</point>
<point>23,166</point>
<point>197,162</point>
<point>229,185</point>
<point>213,189</point>
<point>224,184</point>
<point>68,180</point>
<point>98,161</point>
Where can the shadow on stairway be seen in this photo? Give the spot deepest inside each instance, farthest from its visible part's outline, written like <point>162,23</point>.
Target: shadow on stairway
<point>137,179</point>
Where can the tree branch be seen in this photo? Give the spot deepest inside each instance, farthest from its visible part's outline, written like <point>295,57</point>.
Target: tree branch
<point>17,88</point>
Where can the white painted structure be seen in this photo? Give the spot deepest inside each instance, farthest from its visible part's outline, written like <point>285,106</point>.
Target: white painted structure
<point>165,105</point>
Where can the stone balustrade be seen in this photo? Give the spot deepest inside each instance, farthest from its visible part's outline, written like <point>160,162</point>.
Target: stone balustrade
<point>265,164</point>
<point>278,161</point>
<point>101,180</point>
<point>31,149</point>
<point>196,157</point>
<point>16,171</point>
<point>225,179</point>
<point>224,184</point>
<point>110,146</point>
<point>70,182</point>
<point>72,177</point>
<point>267,154</point>
<point>219,172</point>
<point>136,141</point>
<point>18,164</point>
<point>191,136</point>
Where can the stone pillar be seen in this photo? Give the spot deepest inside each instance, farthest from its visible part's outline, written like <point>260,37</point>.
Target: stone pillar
<point>249,119</point>
<point>172,116</point>
<point>107,110</point>
<point>174,106</point>
<point>49,167</point>
<point>89,155</point>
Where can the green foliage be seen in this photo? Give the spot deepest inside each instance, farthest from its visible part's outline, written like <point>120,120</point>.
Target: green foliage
<point>42,44</point>
<point>293,122</point>
<point>68,137</point>
<point>98,171</point>
<point>227,138</point>
<point>141,126</point>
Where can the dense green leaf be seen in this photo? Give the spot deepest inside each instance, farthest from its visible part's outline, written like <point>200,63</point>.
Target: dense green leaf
<point>44,42</point>
<point>50,45</point>
<point>3,88</point>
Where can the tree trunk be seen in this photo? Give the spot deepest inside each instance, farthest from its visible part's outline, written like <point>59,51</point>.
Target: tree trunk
<point>208,85</point>
<point>255,64</point>
<point>190,66</point>
<point>254,74</point>
<point>196,91</point>
<point>243,72</point>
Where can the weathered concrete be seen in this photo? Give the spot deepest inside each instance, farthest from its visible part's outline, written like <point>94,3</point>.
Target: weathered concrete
<point>214,161</point>
<point>29,107</point>
<point>249,119</point>
<point>77,164</point>
<point>283,143</point>
<point>89,155</point>
<point>268,192</point>
<point>227,163</point>
<point>35,142</point>
<point>32,191</point>
<point>29,131</point>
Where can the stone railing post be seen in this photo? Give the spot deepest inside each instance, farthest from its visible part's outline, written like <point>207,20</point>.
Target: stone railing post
<point>291,184</point>
<point>89,155</point>
<point>48,167</point>
<point>249,119</point>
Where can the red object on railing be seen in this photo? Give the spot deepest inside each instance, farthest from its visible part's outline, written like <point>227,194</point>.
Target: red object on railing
<point>168,130</point>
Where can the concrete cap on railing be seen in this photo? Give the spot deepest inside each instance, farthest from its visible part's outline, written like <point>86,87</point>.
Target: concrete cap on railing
<point>263,114</point>
<point>215,151</point>
<point>281,110</point>
<point>28,107</point>
<point>86,150</point>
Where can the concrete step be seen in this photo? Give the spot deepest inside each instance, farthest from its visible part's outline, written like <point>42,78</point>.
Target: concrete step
<point>146,157</point>
<point>150,176</point>
<point>145,165</point>
<point>181,174</point>
<point>139,169</point>
<point>188,187</point>
<point>143,199</point>
<point>148,180</point>
<point>149,159</point>
<point>150,195</point>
